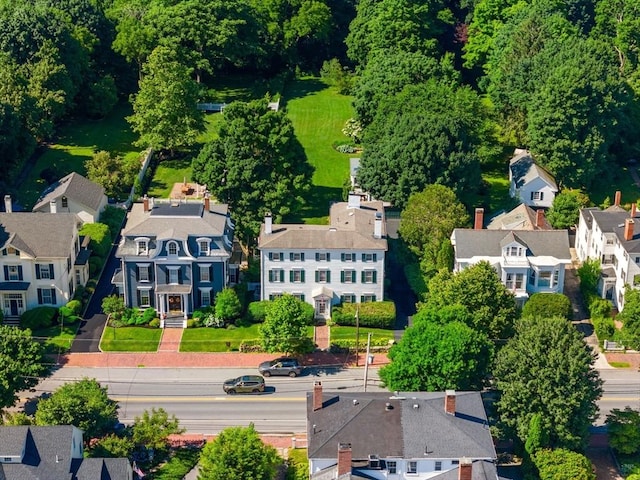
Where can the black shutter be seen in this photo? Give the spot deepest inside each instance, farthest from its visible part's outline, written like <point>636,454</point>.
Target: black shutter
<point>291,276</point>
<point>342,276</point>
<point>20,272</point>
<point>53,296</point>
<point>317,259</point>
<point>302,297</point>
<point>361,298</point>
<point>353,276</point>
<point>138,297</point>
<point>375,257</point>
<point>271,275</point>
<point>37,271</point>
<point>51,276</point>
<point>180,275</point>
<point>270,256</point>
<point>363,278</point>
<point>39,296</point>
<point>317,274</point>
<point>291,256</point>
<point>328,257</point>
<point>342,257</point>
<point>375,276</point>
<point>281,275</point>
<point>328,276</point>
<point>363,257</point>
<point>302,257</point>
<point>302,276</point>
<point>6,273</point>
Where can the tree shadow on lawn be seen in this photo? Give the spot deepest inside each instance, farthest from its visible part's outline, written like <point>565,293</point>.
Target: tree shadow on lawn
<point>319,201</point>
<point>301,88</point>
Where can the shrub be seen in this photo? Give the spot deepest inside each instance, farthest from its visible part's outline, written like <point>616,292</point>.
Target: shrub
<point>191,323</point>
<point>308,312</point>
<point>210,320</point>
<point>148,315</point>
<point>561,464</point>
<point>228,306</point>
<point>95,265</point>
<point>298,465</point>
<point>598,307</point>
<point>154,323</point>
<point>112,217</point>
<point>39,317</point>
<point>257,311</point>
<point>75,306</point>
<point>346,148</point>
<point>350,343</point>
<point>548,305</point>
<point>371,314</point>
<point>624,430</point>
<point>604,327</point>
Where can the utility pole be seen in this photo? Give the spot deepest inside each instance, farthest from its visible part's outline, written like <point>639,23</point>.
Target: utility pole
<point>366,361</point>
<point>357,333</point>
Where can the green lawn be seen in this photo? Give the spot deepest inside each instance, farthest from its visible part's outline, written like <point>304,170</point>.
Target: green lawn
<point>318,114</point>
<point>167,173</point>
<point>75,144</point>
<point>55,339</point>
<point>130,339</point>
<point>621,181</point>
<point>205,339</point>
<point>349,333</point>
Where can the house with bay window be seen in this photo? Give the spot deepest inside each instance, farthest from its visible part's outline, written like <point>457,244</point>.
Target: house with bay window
<point>42,260</point>
<point>527,261</point>
<point>175,256</point>
<point>325,265</point>
<point>401,435</point>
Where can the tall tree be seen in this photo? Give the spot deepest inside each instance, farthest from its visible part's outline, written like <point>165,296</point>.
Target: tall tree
<point>285,326</point>
<point>428,133</point>
<point>630,317</point>
<point>238,454</point>
<point>563,464</point>
<point>84,404</point>
<point>565,210</point>
<point>152,429</point>
<point>438,354</point>
<point>428,220</point>
<point>21,363</point>
<point>546,369</point>
<point>256,165</point>
<point>164,109</point>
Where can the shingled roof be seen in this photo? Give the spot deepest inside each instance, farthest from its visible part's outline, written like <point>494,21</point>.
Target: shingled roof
<point>39,235</point>
<point>524,169</point>
<point>75,187</point>
<point>471,243</point>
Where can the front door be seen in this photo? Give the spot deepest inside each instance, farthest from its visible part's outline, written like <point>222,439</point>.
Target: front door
<point>175,303</point>
<point>14,307</point>
<point>321,308</point>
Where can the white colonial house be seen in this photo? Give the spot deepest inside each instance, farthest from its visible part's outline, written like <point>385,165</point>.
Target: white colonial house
<point>325,265</point>
<point>42,260</point>
<point>613,237</point>
<point>527,261</point>
<point>529,183</point>
<point>401,436</point>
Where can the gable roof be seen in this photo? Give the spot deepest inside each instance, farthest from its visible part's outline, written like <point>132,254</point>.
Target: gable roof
<point>349,228</point>
<point>612,220</point>
<point>75,187</point>
<point>522,217</point>
<point>524,170</point>
<point>39,234</point>
<point>471,243</point>
<point>414,424</point>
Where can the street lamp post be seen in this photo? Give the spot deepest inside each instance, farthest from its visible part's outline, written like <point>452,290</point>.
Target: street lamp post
<point>357,333</point>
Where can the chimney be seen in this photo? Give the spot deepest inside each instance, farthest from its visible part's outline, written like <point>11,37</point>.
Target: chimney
<point>53,206</point>
<point>477,225</point>
<point>465,469</point>
<point>354,200</point>
<point>207,202</point>
<point>633,210</point>
<point>617,198</point>
<point>268,224</point>
<point>540,218</point>
<point>344,459</point>
<point>450,402</point>
<point>145,202</point>
<point>7,204</point>
<point>628,229</point>
<point>377,226</point>
<point>317,396</point>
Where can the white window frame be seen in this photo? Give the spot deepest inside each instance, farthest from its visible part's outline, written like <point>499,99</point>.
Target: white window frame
<point>368,276</point>
<point>323,275</point>
<point>172,274</point>
<point>537,196</point>
<point>322,256</point>
<point>205,293</point>
<point>368,297</point>
<point>412,467</point>
<point>367,257</point>
<point>45,295</point>
<point>143,270</point>
<point>142,246</point>
<point>145,297</point>
<point>206,243</point>
<point>275,274</point>
<point>349,257</point>
<point>392,467</point>
<point>13,272</point>
<point>45,273</point>
<point>170,245</point>
<point>205,272</point>
<point>350,296</point>
<point>297,256</point>
<point>296,276</point>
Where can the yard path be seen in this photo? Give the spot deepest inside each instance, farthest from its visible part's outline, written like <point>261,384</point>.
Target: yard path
<point>322,337</point>
<point>170,341</point>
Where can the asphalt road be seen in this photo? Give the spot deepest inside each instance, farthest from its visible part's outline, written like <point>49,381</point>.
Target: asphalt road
<point>196,398</point>
<point>621,389</point>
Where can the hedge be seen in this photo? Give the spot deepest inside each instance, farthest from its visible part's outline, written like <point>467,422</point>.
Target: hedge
<point>298,465</point>
<point>605,328</point>
<point>39,317</point>
<point>371,314</point>
<point>257,311</point>
<point>351,343</point>
<point>548,305</point>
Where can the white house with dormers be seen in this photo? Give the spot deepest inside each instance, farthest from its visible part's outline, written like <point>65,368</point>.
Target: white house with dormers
<point>401,436</point>
<point>42,260</point>
<point>613,237</point>
<point>325,265</point>
<point>175,256</point>
<point>530,183</point>
<point>527,261</point>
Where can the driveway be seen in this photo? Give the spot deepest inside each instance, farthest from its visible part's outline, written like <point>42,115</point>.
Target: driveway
<point>403,297</point>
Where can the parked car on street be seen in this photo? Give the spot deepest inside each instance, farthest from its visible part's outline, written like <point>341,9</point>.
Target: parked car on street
<point>281,366</point>
<point>244,384</point>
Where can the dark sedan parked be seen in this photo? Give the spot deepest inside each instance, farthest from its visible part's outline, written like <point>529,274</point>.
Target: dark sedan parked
<point>280,366</point>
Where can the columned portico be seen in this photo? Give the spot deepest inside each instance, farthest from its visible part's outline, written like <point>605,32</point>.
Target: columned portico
<point>322,302</point>
<point>173,300</point>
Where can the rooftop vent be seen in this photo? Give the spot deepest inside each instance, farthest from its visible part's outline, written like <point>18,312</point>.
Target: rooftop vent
<point>355,401</point>
<point>416,406</point>
<point>388,406</point>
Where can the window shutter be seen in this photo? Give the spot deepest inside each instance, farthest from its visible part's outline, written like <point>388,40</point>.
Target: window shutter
<point>302,257</point>
<point>138,299</point>
<point>302,297</point>
<point>375,257</point>
<point>375,276</point>
<point>20,272</point>
<point>361,298</point>
<point>362,277</point>
<point>37,271</point>
<point>6,273</point>
<point>51,275</point>
<point>328,276</point>
<point>353,276</point>
<point>317,260</point>
<point>342,276</point>
<point>291,256</point>
<point>281,275</point>
<point>541,196</point>
<point>271,275</point>
<point>180,275</point>
<point>39,296</point>
<point>531,195</point>
<point>363,257</point>
<point>302,276</point>
<point>373,298</point>
<point>291,276</point>
<point>328,257</point>
<point>270,256</point>
<point>342,257</point>
<point>53,296</point>
<point>317,273</point>
<point>137,273</point>
<point>211,273</point>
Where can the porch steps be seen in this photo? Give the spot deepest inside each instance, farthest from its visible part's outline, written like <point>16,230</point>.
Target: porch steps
<point>173,322</point>
<point>11,322</point>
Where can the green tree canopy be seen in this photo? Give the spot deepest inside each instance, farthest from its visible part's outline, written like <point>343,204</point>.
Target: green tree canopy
<point>256,165</point>
<point>438,355</point>
<point>21,363</point>
<point>152,429</point>
<point>630,317</point>
<point>428,133</point>
<point>285,326</point>
<point>565,210</point>
<point>478,288</point>
<point>546,369</point>
<point>238,454</point>
<point>164,109</point>
<point>84,404</point>
<point>563,464</point>
<point>228,306</point>
<point>113,173</point>
<point>623,427</point>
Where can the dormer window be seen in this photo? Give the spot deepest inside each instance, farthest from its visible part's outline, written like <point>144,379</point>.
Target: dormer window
<point>142,245</point>
<point>203,247</point>
<point>172,249</point>
<point>514,251</point>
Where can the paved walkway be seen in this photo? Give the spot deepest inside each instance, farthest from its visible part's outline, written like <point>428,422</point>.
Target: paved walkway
<point>600,455</point>
<point>170,341</point>
<point>322,337</point>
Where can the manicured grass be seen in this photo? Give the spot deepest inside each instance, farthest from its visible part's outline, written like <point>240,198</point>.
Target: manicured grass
<point>318,114</point>
<point>620,364</point>
<point>167,173</point>
<point>349,333</point>
<point>75,144</point>
<point>621,181</point>
<point>130,339</point>
<point>55,339</point>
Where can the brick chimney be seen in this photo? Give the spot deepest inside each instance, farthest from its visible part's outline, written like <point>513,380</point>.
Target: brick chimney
<point>7,204</point>
<point>317,396</point>
<point>633,210</point>
<point>268,224</point>
<point>450,402</point>
<point>479,219</point>
<point>465,469</point>
<point>628,229</point>
<point>145,203</point>
<point>207,202</point>
<point>618,197</point>
<point>540,218</point>
<point>344,458</point>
